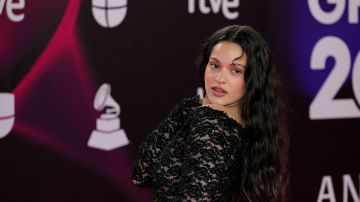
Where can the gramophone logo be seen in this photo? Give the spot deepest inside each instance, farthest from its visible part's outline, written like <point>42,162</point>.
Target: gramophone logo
<point>7,113</point>
<point>109,13</point>
<point>108,134</point>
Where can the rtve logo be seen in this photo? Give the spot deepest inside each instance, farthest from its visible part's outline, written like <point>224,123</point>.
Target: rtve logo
<point>109,13</point>
<point>12,5</point>
<point>215,6</point>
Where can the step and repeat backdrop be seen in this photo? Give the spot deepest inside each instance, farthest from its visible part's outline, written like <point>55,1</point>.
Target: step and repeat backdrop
<point>83,82</point>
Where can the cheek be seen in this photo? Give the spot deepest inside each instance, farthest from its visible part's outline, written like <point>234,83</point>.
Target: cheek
<point>208,77</point>
<point>238,85</point>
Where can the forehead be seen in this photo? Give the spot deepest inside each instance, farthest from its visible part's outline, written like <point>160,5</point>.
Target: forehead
<point>228,52</point>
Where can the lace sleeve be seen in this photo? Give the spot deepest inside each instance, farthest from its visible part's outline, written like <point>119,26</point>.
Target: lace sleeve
<point>154,143</point>
<point>209,162</point>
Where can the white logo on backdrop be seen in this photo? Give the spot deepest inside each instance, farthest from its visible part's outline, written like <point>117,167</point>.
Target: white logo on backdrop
<point>12,6</point>
<point>7,113</point>
<point>108,134</point>
<point>327,192</point>
<point>325,105</point>
<point>215,6</point>
<point>109,13</point>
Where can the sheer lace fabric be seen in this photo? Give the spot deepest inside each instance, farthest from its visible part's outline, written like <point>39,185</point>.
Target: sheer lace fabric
<point>193,155</point>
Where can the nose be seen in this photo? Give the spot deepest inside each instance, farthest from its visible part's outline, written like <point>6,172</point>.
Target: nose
<point>220,77</point>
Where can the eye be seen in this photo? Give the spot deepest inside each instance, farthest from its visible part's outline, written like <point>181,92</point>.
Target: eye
<point>214,65</point>
<point>236,71</point>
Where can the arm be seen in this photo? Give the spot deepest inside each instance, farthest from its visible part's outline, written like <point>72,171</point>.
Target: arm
<point>155,142</point>
<point>209,162</point>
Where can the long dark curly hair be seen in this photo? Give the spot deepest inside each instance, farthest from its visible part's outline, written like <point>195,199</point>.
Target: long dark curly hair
<point>265,152</point>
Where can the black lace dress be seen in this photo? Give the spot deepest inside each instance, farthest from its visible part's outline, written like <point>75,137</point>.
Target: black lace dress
<point>193,155</point>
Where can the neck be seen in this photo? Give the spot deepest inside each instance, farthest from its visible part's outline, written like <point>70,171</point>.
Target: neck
<point>234,111</point>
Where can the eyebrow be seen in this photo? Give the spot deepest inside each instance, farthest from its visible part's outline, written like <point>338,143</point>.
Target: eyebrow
<point>233,61</point>
<point>238,64</point>
<point>214,58</point>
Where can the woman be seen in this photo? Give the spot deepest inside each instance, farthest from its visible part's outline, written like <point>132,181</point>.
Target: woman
<point>231,145</point>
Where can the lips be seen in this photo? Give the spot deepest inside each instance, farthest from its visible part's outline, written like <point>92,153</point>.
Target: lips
<point>218,91</point>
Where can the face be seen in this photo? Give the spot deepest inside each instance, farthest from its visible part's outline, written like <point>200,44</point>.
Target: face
<point>224,74</point>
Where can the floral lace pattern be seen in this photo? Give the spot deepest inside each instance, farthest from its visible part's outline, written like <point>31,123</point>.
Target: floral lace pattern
<point>194,155</point>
